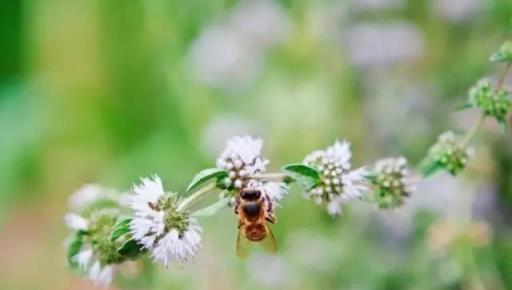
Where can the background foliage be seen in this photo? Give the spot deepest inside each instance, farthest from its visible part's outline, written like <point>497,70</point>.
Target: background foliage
<point>108,91</point>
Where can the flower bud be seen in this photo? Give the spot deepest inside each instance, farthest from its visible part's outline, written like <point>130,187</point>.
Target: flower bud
<point>447,154</point>
<point>390,178</point>
<point>493,103</point>
<point>338,184</point>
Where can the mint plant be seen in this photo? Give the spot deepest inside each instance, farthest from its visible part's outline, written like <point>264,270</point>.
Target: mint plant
<point>110,228</point>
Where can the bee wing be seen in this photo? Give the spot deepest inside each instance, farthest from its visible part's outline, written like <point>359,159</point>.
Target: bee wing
<point>243,245</point>
<point>269,243</point>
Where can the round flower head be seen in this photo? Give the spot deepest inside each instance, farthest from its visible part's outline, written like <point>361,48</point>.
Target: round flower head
<point>242,159</point>
<point>493,103</point>
<point>169,234</point>
<point>338,183</point>
<point>391,181</point>
<point>92,249</point>
<point>448,154</point>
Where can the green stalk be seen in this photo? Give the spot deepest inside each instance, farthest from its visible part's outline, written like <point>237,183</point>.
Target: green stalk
<point>196,196</point>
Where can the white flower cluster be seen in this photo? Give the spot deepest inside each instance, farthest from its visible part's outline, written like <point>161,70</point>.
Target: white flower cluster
<point>95,263</point>
<point>392,182</point>
<point>99,272</point>
<point>338,183</point>
<point>242,159</point>
<point>170,235</point>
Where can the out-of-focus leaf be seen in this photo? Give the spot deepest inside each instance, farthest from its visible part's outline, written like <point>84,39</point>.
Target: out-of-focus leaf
<point>74,248</point>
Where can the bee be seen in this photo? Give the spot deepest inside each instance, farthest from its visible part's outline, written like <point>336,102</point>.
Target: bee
<point>255,210</point>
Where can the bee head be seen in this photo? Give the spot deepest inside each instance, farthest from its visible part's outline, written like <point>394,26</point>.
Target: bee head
<point>250,194</point>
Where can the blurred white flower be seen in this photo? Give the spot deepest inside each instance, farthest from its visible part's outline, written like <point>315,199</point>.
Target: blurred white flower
<point>377,4</point>
<point>76,222</point>
<point>456,10</point>
<point>230,55</point>
<point>170,235</point>
<point>338,183</point>
<point>376,45</point>
<point>91,193</point>
<point>262,22</point>
<point>84,258</point>
<point>221,58</point>
<point>242,158</point>
<point>101,275</point>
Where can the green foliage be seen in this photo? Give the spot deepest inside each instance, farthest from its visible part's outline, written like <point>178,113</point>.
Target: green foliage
<point>205,176</point>
<point>121,228</point>
<point>306,175</point>
<point>493,103</point>
<point>504,53</point>
<point>74,248</point>
<point>447,154</point>
<point>131,249</point>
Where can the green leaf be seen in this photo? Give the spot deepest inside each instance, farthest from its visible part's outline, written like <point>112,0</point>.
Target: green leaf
<point>304,174</point>
<point>213,208</point>
<point>131,249</point>
<point>206,175</point>
<point>121,228</point>
<point>74,247</point>
<point>430,168</point>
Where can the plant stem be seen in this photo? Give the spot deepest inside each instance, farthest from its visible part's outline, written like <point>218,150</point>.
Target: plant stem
<point>473,131</point>
<point>196,196</point>
<point>503,76</point>
<point>270,176</point>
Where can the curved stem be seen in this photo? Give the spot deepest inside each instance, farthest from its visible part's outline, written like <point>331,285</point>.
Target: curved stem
<point>503,76</point>
<point>473,131</point>
<point>196,196</point>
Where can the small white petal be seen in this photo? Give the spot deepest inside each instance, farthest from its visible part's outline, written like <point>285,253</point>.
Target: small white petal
<point>101,276</point>
<point>275,190</point>
<point>334,207</point>
<point>75,222</point>
<point>83,258</point>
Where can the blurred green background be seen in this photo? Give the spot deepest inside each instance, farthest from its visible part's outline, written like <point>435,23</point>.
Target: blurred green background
<point>109,91</point>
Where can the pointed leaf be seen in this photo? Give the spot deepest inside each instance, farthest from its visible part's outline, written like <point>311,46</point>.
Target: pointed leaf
<point>213,208</point>
<point>206,175</point>
<point>121,228</point>
<point>304,174</point>
<point>74,248</point>
<point>428,169</point>
<point>131,249</point>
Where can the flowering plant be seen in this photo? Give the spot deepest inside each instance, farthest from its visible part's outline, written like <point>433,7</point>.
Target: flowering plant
<point>111,228</point>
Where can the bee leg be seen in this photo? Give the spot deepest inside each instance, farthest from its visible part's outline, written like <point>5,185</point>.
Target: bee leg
<point>237,204</point>
<point>271,218</point>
